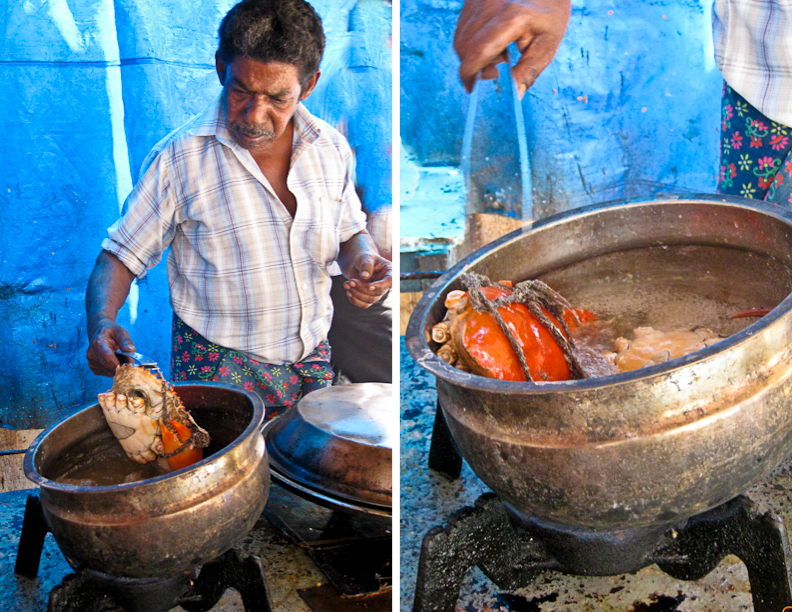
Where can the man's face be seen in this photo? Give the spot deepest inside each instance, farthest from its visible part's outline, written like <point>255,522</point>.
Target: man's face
<point>260,99</point>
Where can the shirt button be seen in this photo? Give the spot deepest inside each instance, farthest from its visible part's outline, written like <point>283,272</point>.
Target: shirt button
<point>305,286</point>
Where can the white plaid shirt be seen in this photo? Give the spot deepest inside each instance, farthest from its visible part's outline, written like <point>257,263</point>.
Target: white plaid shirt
<point>242,272</point>
<point>753,50</point>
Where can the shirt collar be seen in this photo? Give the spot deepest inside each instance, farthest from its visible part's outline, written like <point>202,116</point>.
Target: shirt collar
<point>211,122</point>
<point>306,127</point>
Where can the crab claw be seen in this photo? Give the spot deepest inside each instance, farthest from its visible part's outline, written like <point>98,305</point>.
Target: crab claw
<point>174,435</point>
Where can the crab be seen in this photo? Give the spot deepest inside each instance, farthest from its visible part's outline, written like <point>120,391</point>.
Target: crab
<point>149,420</point>
<point>510,332</point>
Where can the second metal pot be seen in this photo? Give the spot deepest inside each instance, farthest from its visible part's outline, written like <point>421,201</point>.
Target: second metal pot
<point>657,445</point>
<point>335,446</point>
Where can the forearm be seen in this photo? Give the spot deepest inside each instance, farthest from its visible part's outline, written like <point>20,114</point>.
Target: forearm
<point>107,290</point>
<point>359,243</point>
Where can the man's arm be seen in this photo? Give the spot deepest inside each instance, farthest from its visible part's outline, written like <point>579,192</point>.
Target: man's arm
<point>107,290</point>
<point>368,273</point>
<point>486,27</point>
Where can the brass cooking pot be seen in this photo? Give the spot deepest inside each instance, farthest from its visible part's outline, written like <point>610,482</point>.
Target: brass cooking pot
<point>653,446</point>
<point>169,524</point>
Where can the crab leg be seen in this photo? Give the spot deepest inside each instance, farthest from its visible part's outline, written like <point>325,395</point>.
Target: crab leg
<point>754,312</point>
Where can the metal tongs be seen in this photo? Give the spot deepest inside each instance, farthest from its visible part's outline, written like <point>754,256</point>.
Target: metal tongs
<point>137,359</point>
<point>526,187</point>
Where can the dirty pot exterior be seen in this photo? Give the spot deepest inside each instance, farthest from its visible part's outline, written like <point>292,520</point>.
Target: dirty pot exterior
<point>170,524</point>
<point>643,448</point>
<point>336,444</point>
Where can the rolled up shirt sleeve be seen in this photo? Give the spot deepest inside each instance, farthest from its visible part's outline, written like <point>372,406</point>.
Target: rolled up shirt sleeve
<point>148,221</point>
<point>379,227</point>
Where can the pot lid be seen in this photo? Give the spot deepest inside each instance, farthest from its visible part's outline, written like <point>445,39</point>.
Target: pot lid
<point>338,442</point>
<point>358,412</point>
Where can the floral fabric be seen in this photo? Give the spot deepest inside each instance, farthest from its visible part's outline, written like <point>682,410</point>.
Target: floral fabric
<point>754,153</point>
<point>194,358</point>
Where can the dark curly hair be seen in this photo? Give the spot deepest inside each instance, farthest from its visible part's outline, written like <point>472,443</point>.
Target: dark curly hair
<point>287,31</point>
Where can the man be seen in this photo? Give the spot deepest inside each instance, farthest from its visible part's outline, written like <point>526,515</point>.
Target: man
<point>256,200</point>
<point>753,51</point>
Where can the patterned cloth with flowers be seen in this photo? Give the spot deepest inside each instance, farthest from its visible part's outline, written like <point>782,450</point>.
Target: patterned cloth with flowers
<point>194,358</point>
<point>755,153</point>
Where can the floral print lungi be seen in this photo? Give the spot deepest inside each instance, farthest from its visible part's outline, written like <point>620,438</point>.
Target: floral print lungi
<point>194,358</point>
<point>754,152</point>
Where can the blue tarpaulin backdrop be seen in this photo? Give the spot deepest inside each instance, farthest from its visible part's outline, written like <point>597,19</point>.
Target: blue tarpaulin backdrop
<point>87,87</point>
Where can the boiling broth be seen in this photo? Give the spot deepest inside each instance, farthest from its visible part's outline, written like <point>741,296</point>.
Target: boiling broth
<point>99,460</point>
<point>673,287</point>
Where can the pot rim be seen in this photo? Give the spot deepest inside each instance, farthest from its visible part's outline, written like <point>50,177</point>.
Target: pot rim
<point>33,474</point>
<point>426,357</point>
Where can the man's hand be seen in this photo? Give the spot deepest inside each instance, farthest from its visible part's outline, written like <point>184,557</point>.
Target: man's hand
<point>370,278</point>
<point>486,27</point>
<point>107,337</point>
<point>107,289</point>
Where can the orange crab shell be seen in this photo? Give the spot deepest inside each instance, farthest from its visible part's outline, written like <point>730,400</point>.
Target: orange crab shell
<point>171,441</point>
<point>486,349</point>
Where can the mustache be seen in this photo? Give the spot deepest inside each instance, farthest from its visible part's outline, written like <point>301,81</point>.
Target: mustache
<point>252,130</point>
